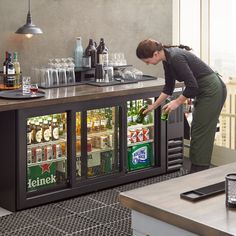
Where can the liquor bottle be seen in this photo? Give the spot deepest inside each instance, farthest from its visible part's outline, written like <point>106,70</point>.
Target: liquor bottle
<point>10,72</point>
<point>78,53</point>
<point>141,116</point>
<point>91,52</point>
<point>5,62</point>
<point>165,115</point>
<point>16,63</point>
<point>102,53</point>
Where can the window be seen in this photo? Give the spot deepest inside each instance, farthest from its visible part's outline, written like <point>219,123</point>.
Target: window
<point>209,26</point>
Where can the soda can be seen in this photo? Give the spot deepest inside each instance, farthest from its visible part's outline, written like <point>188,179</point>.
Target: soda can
<point>57,152</point>
<point>146,134</point>
<point>129,138</point>
<point>29,156</point>
<point>139,134</point>
<point>37,154</point>
<point>47,153</point>
<point>133,136</point>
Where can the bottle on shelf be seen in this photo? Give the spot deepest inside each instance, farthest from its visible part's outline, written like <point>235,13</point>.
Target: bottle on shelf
<point>165,115</point>
<point>90,53</point>
<point>78,53</point>
<point>10,72</point>
<point>16,63</point>
<point>55,129</point>
<point>5,62</point>
<point>141,116</point>
<point>38,132</point>
<point>129,114</point>
<point>29,133</point>
<point>134,112</point>
<point>46,136</point>
<point>102,53</point>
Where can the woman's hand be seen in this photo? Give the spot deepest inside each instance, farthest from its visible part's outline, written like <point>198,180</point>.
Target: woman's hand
<point>149,109</point>
<point>171,106</point>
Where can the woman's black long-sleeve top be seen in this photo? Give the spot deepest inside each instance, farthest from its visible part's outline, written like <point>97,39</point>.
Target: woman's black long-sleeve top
<point>183,66</point>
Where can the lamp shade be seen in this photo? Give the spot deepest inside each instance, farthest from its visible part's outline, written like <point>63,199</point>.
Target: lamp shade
<point>29,28</point>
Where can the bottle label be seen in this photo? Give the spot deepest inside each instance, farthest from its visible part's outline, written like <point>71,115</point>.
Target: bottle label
<point>46,135</point>
<point>38,136</point>
<point>29,138</point>
<point>10,71</point>
<point>55,133</point>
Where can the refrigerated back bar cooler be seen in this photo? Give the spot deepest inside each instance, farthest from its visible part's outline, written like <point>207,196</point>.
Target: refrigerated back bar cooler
<point>70,149</point>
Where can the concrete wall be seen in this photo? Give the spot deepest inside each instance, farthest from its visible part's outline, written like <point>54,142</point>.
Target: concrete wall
<point>122,23</point>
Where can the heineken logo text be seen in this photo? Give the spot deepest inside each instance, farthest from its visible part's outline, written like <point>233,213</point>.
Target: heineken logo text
<point>32,183</point>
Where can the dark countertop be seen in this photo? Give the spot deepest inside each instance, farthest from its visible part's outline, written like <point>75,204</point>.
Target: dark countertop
<point>83,93</point>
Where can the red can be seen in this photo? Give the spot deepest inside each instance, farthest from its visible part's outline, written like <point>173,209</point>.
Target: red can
<point>133,136</point>
<point>146,134</point>
<point>129,137</point>
<point>139,134</point>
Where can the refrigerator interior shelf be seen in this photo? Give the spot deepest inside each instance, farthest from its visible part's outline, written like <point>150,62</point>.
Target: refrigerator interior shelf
<point>137,143</point>
<point>63,158</point>
<point>109,131</point>
<point>94,150</point>
<point>61,140</point>
<point>140,126</point>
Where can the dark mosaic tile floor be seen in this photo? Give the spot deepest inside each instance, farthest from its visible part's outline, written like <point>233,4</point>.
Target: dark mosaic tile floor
<point>95,214</point>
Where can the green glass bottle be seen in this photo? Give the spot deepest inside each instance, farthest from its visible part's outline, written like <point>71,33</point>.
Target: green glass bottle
<point>165,115</point>
<point>140,117</point>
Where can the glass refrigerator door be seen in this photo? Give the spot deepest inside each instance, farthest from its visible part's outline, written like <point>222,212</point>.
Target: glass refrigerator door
<point>46,151</point>
<point>102,142</point>
<point>140,135</point>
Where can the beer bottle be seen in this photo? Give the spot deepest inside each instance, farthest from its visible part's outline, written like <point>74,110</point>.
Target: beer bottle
<point>55,129</point>
<point>38,132</point>
<point>102,53</point>
<point>140,117</point>
<point>29,132</point>
<point>33,130</point>
<point>165,115</point>
<point>129,114</point>
<point>46,131</point>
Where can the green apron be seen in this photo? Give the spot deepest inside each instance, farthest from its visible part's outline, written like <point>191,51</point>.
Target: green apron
<point>207,108</point>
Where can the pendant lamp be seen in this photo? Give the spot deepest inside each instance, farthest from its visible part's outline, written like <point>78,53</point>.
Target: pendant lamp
<point>29,29</point>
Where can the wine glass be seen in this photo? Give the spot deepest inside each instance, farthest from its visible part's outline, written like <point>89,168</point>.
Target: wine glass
<point>34,89</point>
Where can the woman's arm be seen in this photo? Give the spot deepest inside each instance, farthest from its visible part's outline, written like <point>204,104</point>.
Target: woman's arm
<point>157,103</point>
<point>174,104</point>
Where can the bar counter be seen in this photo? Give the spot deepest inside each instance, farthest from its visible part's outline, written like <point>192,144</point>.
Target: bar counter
<point>159,207</point>
<point>82,93</point>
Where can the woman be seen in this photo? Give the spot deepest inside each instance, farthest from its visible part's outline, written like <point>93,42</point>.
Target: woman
<point>201,83</point>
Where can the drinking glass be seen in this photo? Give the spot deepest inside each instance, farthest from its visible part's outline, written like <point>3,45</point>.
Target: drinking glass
<point>34,89</point>
<point>26,80</point>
